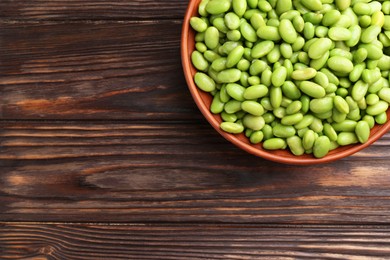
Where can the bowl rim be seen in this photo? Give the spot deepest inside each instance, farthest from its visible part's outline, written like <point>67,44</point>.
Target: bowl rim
<point>296,160</point>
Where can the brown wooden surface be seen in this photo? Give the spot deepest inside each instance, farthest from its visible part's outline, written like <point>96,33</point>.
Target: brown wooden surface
<point>104,155</point>
<point>89,241</point>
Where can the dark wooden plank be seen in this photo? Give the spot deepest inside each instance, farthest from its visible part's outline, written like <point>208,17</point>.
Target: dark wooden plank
<point>121,172</point>
<point>99,241</point>
<point>93,71</point>
<point>91,9</point>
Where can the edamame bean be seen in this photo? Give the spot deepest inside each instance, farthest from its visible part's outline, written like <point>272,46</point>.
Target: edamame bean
<point>232,106</point>
<point>204,82</point>
<point>276,97</point>
<point>312,89</point>
<point>219,64</point>
<point>295,145</point>
<point>341,104</point>
<point>270,33</point>
<point>355,35</point>
<point>261,49</point>
<point>252,107</point>
<point>256,137</point>
<point>370,34</point>
<point>340,64</point>
<point>239,7</point>
<point>283,6</point>
<point>218,6</point>
<point>330,132</point>
<point>308,139</point>
<point>347,138</point>
<point>217,105</point>
<point>292,119</point>
<point>381,118</point>
<point>274,144</point>
<point>384,94</point>
<point>362,131</point>
<point>357,72</point>
<point>279,76</point>
<point>304,74</point>
<point>287,31</point>
<point>199,62</point>
<point>345,126</point>
<point>331,17</point>
<point>362,8</point>
<point>198,24</point>
<point>343,4</point>
<point>293,107</point>
<point>321,105</point>
<point>321,146</point>
<point>229,75</point>
<point>339,34</point>
<point>232,128</point>
<point>359,90</point>
<point>377,108</point>
<point>319,48</point>
<point>283,131</point>
<point>211,37</point>
<point>314,5</point>
<point>234,56</point>
<point>253,122</point>
<point>248,32</point>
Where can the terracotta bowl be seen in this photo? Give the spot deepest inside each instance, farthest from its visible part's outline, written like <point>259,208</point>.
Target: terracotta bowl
<point>203,101</point>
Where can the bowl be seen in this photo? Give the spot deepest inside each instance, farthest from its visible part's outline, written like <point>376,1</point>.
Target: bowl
<point>203,101</point>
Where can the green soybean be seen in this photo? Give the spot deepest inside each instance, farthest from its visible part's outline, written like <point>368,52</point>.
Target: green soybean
<point>218,6</point>
<point>211,37</point>
<point>252,107</point>
<point>283,131</point>
<point>234,56</point>
<point>377,108</point>
<point>204,82</point>
<point>295,145</point>
<point>274,144</point>
<point>262,48</point>
<point>312,89</point>
<point>268,33</point>
<point>359,90</point>
<point>330,132</point>
<point>347,138</point>
<point>321,105</point>
<point>339,34</point>
<point>253,122</point>
<point>304,74</point>
<point>276,97</point>
<point>308,139</point>
<point>362,131</point>
<point>232,128</point>
<point>331,17</point>
<point>229,75</point>
<point>341,104</point>
<point>319,48</point>
<point>279,76</point>
<point>287,31</point>
<point>321,146</point>
<point>340,64</point>
<point>381,118</point>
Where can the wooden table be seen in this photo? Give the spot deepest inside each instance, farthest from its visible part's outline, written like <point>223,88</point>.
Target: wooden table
<point>104,154</point>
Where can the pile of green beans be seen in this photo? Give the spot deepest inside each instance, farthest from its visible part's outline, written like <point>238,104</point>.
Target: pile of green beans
<point>308,75</point>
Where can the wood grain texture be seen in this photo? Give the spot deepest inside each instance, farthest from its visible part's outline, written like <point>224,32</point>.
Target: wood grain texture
<point>91,241</point>
<point>93,71</point>
<point>159,172</point>
<point>91,9</point>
